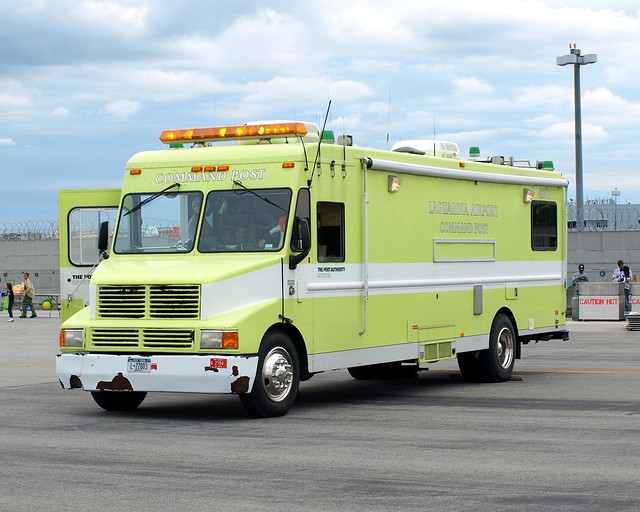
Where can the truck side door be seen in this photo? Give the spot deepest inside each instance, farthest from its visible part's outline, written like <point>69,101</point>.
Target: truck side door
<point>80,213</point>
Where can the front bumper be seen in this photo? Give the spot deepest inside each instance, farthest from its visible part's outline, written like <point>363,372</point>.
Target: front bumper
<point>170,373</point>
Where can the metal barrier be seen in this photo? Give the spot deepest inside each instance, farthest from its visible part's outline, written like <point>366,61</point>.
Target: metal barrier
<point>599,301</point>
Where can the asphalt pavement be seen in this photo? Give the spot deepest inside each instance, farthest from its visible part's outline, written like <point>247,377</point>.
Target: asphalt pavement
<point>28,348</point>
<point>564,435</point>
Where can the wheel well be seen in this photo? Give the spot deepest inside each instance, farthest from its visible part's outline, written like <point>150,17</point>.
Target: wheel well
<point>509,314</point>
<point>298,341</point>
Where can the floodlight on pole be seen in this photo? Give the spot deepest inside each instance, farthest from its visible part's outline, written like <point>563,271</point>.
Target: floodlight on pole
<point>577,60</point>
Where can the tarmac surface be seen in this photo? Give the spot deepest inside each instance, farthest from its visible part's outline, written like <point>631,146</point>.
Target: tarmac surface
<point>28,348</point>
<point>564,435</point>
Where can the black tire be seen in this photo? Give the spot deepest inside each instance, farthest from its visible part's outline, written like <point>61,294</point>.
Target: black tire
<point>119,400</point>
<point>360,372</point>
<point>384,371</point>
<point>275,387</point>
<point>497,362</point>
<point>494,364</point>
<point>469,365</point>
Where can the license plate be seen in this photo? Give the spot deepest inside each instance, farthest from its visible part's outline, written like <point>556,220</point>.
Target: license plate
<point>139,364</point>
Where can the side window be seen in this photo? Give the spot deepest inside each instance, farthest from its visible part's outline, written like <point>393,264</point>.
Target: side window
<point>330,231</point>
<point>544,226</point>
<point>83,229</point>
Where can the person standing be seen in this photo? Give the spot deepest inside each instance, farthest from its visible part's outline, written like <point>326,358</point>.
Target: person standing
<point>9,288</point>
<point>27,298</point>
<point>623,275</point>
<point>580,277</point>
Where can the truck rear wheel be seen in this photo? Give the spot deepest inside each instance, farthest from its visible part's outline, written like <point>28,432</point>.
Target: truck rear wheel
<point>498,360</point>
<point>118,400</point>
<point>275,387</point>
<point>494,364</point>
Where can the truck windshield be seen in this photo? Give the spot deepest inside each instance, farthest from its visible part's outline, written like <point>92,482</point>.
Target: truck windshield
<point>158,223</point>
<point>244,220</point>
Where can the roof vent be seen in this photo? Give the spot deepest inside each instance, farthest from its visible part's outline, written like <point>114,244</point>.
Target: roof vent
<point>437,148</point>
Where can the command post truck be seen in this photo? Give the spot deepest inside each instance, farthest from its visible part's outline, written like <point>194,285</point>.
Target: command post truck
<point>245,259</point>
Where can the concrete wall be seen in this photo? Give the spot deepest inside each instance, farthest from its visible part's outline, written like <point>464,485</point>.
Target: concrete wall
<point>599,251</point>
<point>38,257</point>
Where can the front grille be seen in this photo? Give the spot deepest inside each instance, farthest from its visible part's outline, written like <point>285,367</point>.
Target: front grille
<point>142,339</point>
<point>115,337</point>
<point>122,301</point>
<point>153,301</point>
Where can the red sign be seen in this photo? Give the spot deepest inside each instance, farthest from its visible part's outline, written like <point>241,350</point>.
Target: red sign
<point>218,363</point>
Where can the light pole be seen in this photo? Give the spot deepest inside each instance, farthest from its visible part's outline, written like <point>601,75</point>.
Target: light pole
<point>577,60</point>
<point>615,193</point>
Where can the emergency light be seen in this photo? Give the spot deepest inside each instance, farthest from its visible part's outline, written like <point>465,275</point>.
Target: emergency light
<point>246,131</point>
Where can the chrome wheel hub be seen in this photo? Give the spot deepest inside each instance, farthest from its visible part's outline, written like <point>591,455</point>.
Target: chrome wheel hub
<point>506,348</point>
<point>277,374</point>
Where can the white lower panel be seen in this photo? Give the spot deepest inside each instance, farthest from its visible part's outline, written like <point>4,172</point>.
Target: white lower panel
<point>189,374</point>
<point>363,356</point>
<point>471,343</point>
<point>375,355</point>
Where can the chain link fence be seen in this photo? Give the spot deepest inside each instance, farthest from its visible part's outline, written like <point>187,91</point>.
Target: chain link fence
<point>605,217</point>
<point>599,217</point>
<point>48,229</point>
<point>29,230</point>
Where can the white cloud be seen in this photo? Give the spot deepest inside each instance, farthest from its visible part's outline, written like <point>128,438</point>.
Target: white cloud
<point>476,73</point>
<point>13,95</point>
<point>545,95</point>
<point>5,141</point>
<point>565,131</point>
<point>122,109</point>
<point>60,112</point>
<point>265,41</point>
<point>112,14</point>
<point>471,86</point>
<point>309,90</point>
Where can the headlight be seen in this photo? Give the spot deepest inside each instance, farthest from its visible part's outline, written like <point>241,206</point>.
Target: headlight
<point>218,339</point>
<point>72,338</point>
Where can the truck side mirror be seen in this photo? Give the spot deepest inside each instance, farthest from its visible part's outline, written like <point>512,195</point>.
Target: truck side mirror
<point>302,238</point>
<point>303,232</point>
<point>103,240</point>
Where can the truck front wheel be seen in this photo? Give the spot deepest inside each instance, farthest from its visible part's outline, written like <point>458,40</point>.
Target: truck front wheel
<point>275,387</point>
<point>118,400</point>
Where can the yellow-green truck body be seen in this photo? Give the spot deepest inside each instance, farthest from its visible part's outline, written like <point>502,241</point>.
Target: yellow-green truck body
<point>357,258</point>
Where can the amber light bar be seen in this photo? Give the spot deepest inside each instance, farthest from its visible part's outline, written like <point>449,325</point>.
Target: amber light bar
<point>234,132</point>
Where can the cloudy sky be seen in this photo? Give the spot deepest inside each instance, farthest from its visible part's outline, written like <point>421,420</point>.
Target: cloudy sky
<point>84,84</point>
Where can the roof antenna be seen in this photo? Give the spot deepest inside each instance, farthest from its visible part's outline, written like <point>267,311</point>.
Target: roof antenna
<point>388,116</point>
<point>434,135</point>
<point>317,162</point>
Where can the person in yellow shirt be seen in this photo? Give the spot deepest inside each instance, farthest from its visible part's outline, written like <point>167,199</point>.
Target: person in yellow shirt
<point>27,297</point>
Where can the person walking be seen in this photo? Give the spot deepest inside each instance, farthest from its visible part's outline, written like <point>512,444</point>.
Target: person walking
<point>9,288</point>
<point>27,298</point>
<point>623,275</point>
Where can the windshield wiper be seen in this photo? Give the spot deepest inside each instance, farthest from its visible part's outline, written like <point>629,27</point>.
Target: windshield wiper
<point>151,198</point>
<point>236,182</point>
